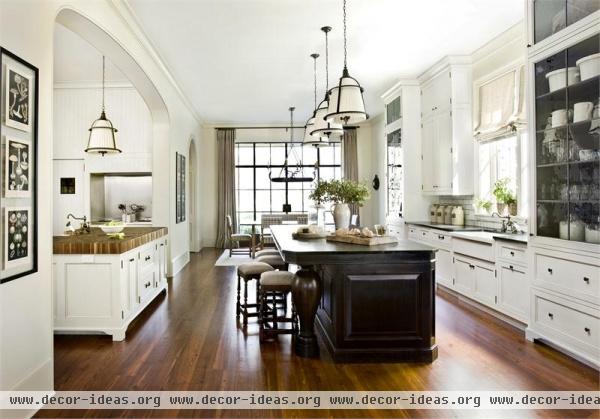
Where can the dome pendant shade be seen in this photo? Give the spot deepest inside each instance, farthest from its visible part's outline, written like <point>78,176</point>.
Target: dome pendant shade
<point>102,137</point>
<point>309,139</point>
<point>346,103</point>
<point>324,128</point>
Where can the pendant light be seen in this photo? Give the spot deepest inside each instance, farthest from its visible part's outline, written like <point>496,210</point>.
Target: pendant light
<point>346,103</point>
<point>332,130</point>
<point>320,141</point>
<point>102,131</point>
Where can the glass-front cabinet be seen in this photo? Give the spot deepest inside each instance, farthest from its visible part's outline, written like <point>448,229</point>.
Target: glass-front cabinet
<point>567,127</point>
<point>551,16</point>
<point>395,173</point>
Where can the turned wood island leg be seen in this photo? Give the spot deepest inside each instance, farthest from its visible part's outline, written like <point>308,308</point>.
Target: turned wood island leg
<point>306,294</point>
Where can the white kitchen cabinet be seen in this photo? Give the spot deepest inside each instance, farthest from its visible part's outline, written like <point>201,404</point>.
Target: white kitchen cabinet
<point>443,267</point>
<point>513,291</point>
<point>105,292</point>
<point>486,285</point>
<point>446,121</point>
<point>464,276</point>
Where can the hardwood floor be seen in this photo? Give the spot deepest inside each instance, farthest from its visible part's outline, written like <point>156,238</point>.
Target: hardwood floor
<point>190,340</point>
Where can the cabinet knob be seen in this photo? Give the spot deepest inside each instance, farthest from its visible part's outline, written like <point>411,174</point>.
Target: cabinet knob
<point>147,258</point>
<point>587,330</point>
<point>512,253</point>
<point>512,268</point>
<point>586,279</point>
<point>472,266</point>
<point>551,315</point>
<point>550,271</point>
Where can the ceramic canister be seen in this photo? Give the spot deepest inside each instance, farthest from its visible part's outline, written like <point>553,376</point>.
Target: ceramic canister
<point>433,213</point>
<point>458,216</point>
<point>440,214</point>
<point>448,214</point>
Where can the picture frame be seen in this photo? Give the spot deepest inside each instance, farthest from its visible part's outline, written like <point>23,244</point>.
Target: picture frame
<point>180,198</point>
<point>17,99</point>
<point>19,168</point>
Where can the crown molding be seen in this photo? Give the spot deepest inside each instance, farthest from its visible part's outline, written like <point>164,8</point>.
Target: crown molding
<point>126,13</point>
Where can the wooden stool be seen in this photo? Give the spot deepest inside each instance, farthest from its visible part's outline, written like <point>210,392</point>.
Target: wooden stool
<point>274,285</point>
<point>275,261</point>
<point>247,272</point>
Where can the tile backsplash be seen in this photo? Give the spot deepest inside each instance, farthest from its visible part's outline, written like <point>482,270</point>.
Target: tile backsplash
<point>471,216</point>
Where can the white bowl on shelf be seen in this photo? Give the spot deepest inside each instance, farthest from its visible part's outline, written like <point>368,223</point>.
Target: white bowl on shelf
<point>557,79</point>
<point>112,229</point>
<point>589,66</point>
<point>592,235</point>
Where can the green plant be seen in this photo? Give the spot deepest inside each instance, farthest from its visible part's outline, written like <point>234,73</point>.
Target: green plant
<point>340,191</point>
<point>484,204</point>
<point>503,194</point>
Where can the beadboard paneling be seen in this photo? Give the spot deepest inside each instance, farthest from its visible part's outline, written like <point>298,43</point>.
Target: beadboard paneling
<point>76,107</point>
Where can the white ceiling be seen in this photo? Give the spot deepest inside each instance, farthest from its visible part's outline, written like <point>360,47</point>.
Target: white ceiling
<point>76,61</point>
<point>247,61</point>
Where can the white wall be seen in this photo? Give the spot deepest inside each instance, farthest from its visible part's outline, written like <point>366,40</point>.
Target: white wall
<point>26,29</point>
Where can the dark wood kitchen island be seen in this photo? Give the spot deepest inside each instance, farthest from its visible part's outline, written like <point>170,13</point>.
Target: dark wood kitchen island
<point>368,303</point>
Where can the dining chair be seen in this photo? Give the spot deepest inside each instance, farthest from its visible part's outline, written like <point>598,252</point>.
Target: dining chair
<point>235,239</point>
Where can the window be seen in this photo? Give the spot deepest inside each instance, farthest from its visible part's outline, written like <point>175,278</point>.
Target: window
<point>257,195</point>
<point>498,159</point>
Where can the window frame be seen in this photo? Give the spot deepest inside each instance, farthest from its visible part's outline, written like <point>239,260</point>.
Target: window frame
<point>276,167</point>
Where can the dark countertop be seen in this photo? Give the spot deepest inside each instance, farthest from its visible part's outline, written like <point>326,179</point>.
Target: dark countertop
<point>98,243</point>
<point>314,251</point>
<point>519,238</point>
<point>444,227</point>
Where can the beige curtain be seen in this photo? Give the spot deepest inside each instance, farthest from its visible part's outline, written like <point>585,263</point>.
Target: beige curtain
<point>225,183</point>
<point>501,105</point>
<point>350,159</point>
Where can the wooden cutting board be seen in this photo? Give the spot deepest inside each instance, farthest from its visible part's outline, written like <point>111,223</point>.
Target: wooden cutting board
<point>365,241</point>
<point>308,236</point>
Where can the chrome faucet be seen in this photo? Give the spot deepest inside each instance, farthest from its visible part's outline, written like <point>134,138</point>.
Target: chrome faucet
<point>507,224</point>
<point>84,226</point>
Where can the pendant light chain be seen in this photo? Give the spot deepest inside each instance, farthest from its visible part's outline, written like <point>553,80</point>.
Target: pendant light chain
<point>315,56</point>
<point>345,38</point>
<point>103,70</point>
<point>326,62</point>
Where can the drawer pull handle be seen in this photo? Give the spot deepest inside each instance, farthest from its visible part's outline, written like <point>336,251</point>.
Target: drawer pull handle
<point>472,266</point>
<point>512,268</point>
<point>587,330</point>
<point>551,315</point>
<point>512,253</point>
<point>132,260</point>
<point>147,258</point>
<point>586,279</point>
<point>147,284</point>
<point>550,271</point>
<point>441,237</point>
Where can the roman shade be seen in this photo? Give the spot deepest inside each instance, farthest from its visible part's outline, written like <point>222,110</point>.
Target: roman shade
<point>501,105</point>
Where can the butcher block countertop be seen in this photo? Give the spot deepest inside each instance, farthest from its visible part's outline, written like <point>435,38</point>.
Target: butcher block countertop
<point>98,243</point>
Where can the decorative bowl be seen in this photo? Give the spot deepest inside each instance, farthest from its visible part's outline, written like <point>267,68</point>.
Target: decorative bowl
<point>112,229</point>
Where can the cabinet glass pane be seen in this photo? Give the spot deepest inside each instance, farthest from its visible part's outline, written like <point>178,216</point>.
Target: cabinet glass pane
<point>550,16</point>
<point>578,9</point>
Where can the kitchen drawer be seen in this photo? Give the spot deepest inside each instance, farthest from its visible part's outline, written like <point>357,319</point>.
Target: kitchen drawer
<point>413,233</point>
<point>577,279</point>
<point>145,283</point>
<point>475,249</point>
<point>146,255</point>
<point>422,234</point>
<point>441,239</point>
<point>562,321</point>
<point>513,254</point>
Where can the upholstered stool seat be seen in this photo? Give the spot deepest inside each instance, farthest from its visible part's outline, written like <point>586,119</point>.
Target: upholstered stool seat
<point>267,252</point>
<point>275,285</point>
<point>247,272</point>
<point>241,237</point>
<point>274,260</point>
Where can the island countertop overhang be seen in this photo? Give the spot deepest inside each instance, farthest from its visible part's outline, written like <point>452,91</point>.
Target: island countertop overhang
<point>98,243</point>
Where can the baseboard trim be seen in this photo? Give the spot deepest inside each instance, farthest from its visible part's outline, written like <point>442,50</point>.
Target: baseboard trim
<point>179,263</point>
<point>40,379</point>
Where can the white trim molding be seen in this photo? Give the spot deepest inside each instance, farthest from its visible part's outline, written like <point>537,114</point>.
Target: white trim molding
<point>179,262</point>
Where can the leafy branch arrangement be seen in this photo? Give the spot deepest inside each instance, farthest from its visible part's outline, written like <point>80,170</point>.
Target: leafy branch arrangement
<point>340,191</point>
<point>503,194</point>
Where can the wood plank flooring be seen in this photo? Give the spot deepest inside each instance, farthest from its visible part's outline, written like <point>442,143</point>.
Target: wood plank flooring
<point>190,340</point>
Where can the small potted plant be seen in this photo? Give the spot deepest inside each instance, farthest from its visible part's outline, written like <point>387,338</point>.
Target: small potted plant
<point>341,193</point>
<point>484,206</point>
<point>505,197</point>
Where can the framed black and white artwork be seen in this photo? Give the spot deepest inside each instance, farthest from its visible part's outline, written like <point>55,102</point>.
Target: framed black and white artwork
<point>17,168</point>
<point>18,174</point>
<point>17,224</point>
<point>17,98</point>
<point>179,188</point>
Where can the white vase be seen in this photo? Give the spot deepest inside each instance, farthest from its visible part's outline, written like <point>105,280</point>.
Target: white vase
<point>341,215</point>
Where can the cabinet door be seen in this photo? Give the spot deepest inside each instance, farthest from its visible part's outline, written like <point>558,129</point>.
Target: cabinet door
<point>427,99</point>
<point>443,269</point>
<point>145,283</point>
<point>443,152</point>
<point>464,276</point>
<point>513,292</point>
<point>427,150</point>
<point>486,287</point>
<point>132,278</point>
<point>442,91</point>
